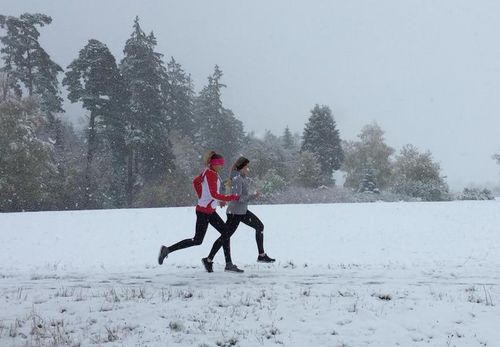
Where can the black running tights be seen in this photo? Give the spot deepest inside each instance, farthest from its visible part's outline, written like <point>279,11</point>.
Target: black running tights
<point>202,221</point>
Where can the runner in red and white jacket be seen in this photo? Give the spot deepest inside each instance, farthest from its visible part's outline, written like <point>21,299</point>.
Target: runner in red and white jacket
<point>207,187</point>
<point>210,192</point>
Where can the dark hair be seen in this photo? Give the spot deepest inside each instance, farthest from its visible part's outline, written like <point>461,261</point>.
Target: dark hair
<point>240,163</point>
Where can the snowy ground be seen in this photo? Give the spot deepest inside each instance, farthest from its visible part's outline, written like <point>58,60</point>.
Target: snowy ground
<point>380,274</point>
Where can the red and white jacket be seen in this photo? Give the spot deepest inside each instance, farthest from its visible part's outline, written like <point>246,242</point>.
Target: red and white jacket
<point>210,192</point>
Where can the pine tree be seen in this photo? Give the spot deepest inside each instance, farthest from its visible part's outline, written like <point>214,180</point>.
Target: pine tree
<point>287,139</point>
<point>219,129</point>
<point>368,183</point>
<point>28,64</point>
<point>67,185</point>
<point>322,138</point>
<point>94,79</point>
<point>180,101</point>
<point>146,81</point>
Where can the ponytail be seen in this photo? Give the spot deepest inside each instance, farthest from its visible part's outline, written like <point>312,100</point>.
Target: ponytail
<point>232,168</point>
<point>207,157</point>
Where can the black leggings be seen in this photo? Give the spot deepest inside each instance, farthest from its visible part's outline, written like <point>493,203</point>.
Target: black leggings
<point>202,221</point>
<point>233,220</point>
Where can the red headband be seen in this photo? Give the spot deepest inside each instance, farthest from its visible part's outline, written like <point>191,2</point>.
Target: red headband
<point>217,161</point>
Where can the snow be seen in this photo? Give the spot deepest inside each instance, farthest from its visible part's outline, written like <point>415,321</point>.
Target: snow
<point>375,274</point>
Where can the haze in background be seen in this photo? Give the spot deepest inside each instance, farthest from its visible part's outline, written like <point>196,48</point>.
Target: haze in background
<point>428,72</point>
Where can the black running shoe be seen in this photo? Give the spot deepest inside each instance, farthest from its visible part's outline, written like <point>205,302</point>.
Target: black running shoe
<point>265,259</point>
<point>232,268</point>
<point>163,254</point>
<point>209,266</point>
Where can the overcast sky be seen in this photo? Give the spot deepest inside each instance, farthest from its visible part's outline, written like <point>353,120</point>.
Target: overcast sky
<point>427,71</point>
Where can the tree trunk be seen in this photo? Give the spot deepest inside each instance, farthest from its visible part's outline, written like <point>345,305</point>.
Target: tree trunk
<point>130,177</point>
<point>30,75</point>
<point>90,157</point>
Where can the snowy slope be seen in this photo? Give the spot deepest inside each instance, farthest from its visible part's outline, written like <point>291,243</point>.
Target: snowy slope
<point>381,274</point>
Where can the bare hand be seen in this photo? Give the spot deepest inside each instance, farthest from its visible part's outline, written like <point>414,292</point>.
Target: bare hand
<point>257,194</point>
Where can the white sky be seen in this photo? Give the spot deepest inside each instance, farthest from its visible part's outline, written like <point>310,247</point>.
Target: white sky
<point>427,71</point>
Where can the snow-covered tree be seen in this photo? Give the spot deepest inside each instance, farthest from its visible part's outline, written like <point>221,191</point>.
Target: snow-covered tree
<point>272,182</point>
<point>26,162</point>
<point>417,175</point>
<point>219,129</point>
<point>322,138</point>
<point>368,183</point>
<point>288,140</point>
<point>308,171</point>
<point>180,101</point>
<point>370,152</point>
<point>265,155</point>
<point>146,81</point>
<point>175,188</point>
<point>94,79</point>
<point>28,64</point>
<point>68,185</point>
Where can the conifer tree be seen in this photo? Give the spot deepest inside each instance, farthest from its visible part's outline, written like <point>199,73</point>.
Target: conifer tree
<point>219,128</point>
<point>368,183</point>
<point>28,64</point>
<point>94,79</point>
<point>146,80</point>
<point>287,139</point>
<point>321,137</point>
<point>180,101</point>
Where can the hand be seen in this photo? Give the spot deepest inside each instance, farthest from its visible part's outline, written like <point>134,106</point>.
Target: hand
<point>256,194</point>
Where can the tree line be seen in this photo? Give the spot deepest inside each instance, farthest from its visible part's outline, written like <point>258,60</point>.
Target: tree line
<point>146,130</point>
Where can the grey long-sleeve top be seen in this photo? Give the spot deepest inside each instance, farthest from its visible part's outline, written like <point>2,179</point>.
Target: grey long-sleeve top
<point>239,186</point>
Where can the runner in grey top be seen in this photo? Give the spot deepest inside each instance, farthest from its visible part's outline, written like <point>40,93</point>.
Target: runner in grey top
<point>239,212</point>
<point>240,187</point>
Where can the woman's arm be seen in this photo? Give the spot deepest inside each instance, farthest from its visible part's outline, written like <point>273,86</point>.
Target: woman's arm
<point>212,186</point>
<point>237,189</point>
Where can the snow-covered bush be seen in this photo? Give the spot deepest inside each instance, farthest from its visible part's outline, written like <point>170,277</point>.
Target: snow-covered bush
<point>416,174</point>
<point>434,190</point>
<point>476,194</point>
<point>271,183</point>
<point>321,195</point>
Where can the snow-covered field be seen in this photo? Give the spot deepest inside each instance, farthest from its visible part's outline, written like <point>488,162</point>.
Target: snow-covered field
<point>380,274</point>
